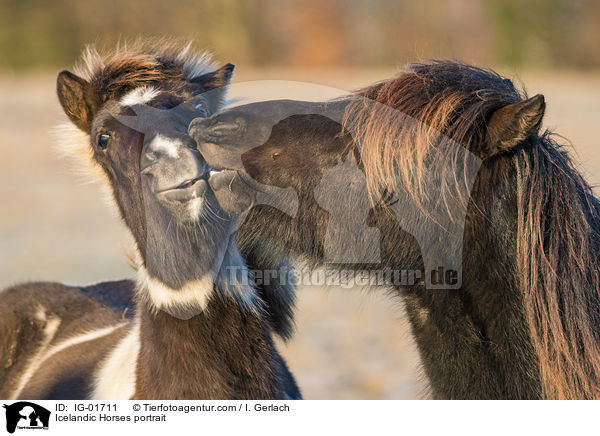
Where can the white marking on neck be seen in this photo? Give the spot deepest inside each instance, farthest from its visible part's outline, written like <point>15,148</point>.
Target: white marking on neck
<point>183,303</point>
<point>116,379</point>
<point>45,352</point>
<point>143,95</point>
<point>170,146</point>
<point>232,281</point>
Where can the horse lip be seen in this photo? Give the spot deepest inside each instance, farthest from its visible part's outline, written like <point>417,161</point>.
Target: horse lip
<point>185,192</point>
<point>187,184</point>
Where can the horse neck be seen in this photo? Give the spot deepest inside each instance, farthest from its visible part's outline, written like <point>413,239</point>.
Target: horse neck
<point>310,227</point>
<point>474,341</point>
<point>208,356</point>
<point>225,350</point>
<point>282,236</point>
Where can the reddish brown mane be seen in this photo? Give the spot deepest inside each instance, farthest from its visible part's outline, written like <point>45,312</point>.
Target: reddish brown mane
<point>144,62</point>
<point>446,101</point>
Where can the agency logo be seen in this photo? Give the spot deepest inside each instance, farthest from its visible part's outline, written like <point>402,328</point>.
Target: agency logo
<point>26,416</point>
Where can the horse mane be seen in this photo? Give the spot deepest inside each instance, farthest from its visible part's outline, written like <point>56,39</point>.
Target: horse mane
<point>399,123</point>
<point>141,62</point>
<point>558,216</point>
<point>559,268</point>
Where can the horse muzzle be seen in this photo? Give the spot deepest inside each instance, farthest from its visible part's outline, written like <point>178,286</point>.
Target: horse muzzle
<point>174,169</point>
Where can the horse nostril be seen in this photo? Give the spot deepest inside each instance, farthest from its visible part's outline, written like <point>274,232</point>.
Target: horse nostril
<point>216,129</point>
<point>227,128</point>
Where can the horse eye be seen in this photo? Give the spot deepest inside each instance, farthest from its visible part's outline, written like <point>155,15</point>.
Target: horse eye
<point>275,155</point>
<point>104,140</point>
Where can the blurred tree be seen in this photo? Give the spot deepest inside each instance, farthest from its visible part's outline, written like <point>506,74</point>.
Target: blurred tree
<point>565,33</point>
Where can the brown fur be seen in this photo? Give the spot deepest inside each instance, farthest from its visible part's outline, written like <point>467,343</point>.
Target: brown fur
<point>142,62</point>
<point>558,215</point>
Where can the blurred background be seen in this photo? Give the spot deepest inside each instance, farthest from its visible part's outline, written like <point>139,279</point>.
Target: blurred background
<point>313,33</point>
<point>349,343</point>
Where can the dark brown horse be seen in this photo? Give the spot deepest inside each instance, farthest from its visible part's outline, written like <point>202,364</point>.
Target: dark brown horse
<point>188,332</point>
<point>523,320</point>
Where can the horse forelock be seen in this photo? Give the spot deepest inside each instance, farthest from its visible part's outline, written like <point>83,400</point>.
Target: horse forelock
<point>141,63</point>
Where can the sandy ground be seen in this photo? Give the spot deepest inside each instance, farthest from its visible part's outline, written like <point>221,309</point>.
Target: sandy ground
<point>348,344</point>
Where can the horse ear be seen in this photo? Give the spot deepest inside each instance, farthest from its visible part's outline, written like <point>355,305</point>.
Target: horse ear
<point>217,78</point>
<point>513,123</point>
<point>77,99</point>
